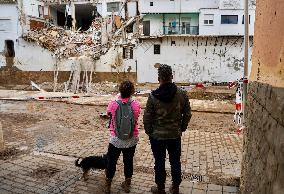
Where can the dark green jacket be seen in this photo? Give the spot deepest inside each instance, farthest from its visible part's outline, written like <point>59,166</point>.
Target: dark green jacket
<point>167,112</point>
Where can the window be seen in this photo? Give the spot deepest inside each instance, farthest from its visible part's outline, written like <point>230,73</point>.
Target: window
<point>124,53</point>
<point>146,28</point>
<point>131,53</point>
<point>208,19</point>
<point>9,48</point>
<point>5,25</point>
<point>151,3</point>
<point>40,11</point>
<point>229,19</point>
<point>113,7</point>
<point>243,21</point>
<point>46,10</point>
<point>157,49</point>
<point>127,53</point>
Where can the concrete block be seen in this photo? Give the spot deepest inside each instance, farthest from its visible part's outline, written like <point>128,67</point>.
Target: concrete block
<point>214,192</point>
<point>212,187</point>
<point>230,189</point>
<point>200,186</point>
<point>197,191</point>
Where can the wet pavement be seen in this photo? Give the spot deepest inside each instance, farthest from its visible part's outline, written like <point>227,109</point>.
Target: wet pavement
<point>49,136</point>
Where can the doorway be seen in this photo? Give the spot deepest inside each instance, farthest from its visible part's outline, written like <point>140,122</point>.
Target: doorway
<point>146,28</point>
<point>85,13</point>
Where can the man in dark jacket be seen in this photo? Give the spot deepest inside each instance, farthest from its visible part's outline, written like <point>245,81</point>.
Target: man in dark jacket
<point>166,116</point>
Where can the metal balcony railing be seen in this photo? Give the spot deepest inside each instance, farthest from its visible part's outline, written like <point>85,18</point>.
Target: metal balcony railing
<point>170,30</point>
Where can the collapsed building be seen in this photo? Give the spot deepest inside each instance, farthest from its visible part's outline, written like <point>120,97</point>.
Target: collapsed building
<point>98,44</point>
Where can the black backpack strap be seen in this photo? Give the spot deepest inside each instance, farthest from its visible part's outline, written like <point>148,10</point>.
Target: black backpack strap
<point>119,102</point>
<point>129,101</point>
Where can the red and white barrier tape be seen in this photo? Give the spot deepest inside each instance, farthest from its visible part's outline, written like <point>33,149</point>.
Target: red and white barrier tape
<point>57,97</point>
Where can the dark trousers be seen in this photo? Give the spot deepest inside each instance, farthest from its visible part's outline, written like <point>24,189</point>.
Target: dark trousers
<point>159,148</point>
<point>113,155</point>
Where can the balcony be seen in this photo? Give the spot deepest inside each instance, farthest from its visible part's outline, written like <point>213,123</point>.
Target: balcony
<point>189,30</point>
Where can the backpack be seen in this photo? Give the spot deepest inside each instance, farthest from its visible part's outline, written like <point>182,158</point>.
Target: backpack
<point>124,120</point>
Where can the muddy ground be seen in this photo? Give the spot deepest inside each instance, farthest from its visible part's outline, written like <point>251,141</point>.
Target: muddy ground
<point>35,124</point>
<point>73,130</point>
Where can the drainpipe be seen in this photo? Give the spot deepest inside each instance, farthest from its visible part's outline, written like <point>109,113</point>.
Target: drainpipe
<point>246,42</point>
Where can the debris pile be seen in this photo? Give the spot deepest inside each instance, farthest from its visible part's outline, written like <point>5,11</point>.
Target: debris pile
<point>64,43</point>
<point>99,88</point>
<point>104,88</point>
<point>77,83</point>
<point>83,48</point>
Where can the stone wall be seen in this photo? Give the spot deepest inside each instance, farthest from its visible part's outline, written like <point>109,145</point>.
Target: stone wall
<point>263,162</point>
<point>263,158</point>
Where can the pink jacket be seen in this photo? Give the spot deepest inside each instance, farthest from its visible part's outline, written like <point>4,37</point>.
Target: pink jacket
<point>112,106</point>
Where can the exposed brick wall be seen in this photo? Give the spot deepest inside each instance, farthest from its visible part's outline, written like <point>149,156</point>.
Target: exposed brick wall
<point>263,161</point>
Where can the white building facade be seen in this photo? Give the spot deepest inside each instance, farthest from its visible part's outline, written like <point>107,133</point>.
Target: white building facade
<point>226,19</point>
<point>202,40</point>
<point>193,59</point>
<point>8,22</point>
<point>33,62</point>
<point>195,17</point>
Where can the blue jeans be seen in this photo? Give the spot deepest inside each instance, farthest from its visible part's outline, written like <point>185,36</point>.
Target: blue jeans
<point>159,148</point>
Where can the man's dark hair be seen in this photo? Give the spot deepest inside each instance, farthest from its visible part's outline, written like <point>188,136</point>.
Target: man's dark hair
<point>165,73</point>
<point>126,89</point>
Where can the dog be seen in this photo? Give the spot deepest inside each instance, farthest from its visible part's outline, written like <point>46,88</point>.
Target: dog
<point>92,162</point>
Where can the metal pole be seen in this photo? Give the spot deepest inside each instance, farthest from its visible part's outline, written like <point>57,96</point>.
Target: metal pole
<point>179,18</point>
<point>136,66</point>
<point>246,43</point>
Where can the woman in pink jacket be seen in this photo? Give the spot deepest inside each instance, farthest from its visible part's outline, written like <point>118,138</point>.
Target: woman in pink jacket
<point>118,143</point>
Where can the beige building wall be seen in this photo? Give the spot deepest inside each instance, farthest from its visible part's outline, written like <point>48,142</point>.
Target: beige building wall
<point>268,55</point>
<point>263,161</point>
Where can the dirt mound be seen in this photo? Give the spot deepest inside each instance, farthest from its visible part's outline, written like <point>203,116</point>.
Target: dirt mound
<point>44,172</point>
<point>8,153</point>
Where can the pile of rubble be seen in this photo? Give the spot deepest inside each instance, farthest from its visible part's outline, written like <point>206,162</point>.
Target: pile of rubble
<point>64,43</point>
<point>104,88</point>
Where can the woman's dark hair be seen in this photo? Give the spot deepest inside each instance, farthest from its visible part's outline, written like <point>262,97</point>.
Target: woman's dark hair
<point>126,89</point>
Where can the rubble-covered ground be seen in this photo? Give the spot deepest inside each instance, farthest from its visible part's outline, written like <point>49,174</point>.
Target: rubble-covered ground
<point>43,138</point>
